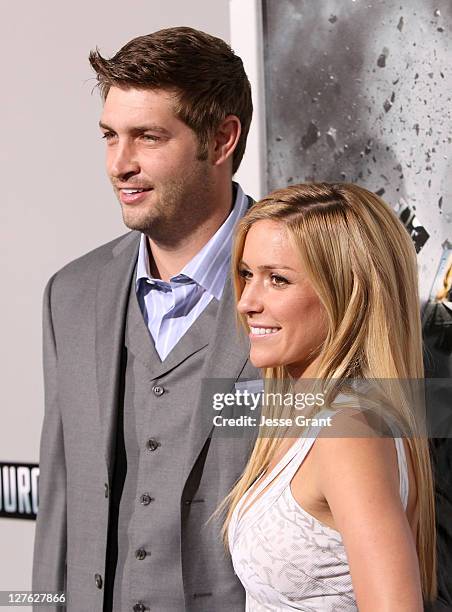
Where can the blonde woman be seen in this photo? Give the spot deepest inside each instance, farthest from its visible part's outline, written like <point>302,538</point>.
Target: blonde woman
<point>326,283</point>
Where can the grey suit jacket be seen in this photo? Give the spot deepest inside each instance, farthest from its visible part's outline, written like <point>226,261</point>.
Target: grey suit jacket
<point>83,325</point>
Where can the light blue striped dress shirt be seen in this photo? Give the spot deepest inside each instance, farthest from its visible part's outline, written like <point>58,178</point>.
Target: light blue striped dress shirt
<point>169,308</point>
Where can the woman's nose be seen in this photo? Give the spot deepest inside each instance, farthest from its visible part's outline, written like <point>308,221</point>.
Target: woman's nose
<point>250,300</point>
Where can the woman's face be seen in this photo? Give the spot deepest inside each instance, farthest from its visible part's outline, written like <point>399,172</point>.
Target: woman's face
<point>286,318</point>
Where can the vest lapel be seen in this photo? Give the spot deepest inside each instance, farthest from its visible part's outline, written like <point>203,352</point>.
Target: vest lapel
<point>196,338</point>
<point>140,338</point>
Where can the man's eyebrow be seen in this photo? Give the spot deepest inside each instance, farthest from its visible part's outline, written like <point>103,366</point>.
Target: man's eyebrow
<point>268,266</point>
<point>138,129</point>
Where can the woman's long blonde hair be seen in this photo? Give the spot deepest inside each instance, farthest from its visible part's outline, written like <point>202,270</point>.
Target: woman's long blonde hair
<point>362,263</point>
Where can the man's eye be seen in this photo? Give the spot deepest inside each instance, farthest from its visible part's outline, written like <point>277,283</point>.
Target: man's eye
<point>279,280</point>
<point>107,135</point>
<point>151,138</point>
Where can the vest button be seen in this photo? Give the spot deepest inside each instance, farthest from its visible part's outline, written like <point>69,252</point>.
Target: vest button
<point>157,390</point>
<point>140,554</point>
<point>139,607</point>
<point>98,580</point>
<point>152,444</point>
<point>145,499</point>
<point>106,489</point>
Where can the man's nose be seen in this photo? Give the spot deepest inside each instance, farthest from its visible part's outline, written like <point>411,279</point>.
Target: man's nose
<point>122,161</point>
<point>251,299</point>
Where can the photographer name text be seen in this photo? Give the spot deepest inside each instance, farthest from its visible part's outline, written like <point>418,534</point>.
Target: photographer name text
<point>249,421</point>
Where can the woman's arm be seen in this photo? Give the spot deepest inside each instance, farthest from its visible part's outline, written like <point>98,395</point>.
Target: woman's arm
<point>359,479</point>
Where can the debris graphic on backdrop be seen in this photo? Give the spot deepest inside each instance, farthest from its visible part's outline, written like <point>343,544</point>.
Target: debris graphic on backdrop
<point>377,112</point>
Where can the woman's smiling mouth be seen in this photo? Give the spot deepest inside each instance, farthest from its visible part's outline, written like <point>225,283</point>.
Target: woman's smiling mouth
<point>262,331</point>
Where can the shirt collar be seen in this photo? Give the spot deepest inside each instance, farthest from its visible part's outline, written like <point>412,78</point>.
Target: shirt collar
<point>209,266</point>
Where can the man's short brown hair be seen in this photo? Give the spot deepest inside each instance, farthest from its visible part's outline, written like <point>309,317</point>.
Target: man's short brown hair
<point>208,79</point>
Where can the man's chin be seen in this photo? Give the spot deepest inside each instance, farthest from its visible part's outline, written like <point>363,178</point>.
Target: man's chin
<point>134,221</point>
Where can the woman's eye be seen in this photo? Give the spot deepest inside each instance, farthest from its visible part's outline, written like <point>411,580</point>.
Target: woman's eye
<point>245,274</point>
<point>279,280</point>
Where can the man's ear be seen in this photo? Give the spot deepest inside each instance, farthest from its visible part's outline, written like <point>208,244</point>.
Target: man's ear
<point>225,139</point>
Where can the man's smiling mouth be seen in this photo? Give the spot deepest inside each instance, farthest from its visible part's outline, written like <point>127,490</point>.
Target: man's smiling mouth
<point>133,190</point>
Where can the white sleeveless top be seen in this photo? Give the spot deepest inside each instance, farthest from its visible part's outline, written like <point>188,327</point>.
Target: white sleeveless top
<point>285,558</point>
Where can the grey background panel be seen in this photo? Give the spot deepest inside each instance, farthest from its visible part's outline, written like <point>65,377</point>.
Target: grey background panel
<point>361,91</point>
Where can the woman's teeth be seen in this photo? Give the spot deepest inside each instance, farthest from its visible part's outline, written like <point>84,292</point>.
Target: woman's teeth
<point>261,331</point>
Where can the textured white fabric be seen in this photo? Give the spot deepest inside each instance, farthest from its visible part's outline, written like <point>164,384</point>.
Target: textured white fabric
<point>285,558</point>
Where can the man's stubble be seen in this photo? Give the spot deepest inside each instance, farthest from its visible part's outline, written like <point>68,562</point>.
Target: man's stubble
<point>176,209</point>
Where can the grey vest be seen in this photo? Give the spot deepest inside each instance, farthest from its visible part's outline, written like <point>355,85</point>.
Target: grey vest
<point>148,508</point>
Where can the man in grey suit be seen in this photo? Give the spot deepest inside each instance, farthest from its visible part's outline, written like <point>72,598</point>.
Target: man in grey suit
<point>131,464</point>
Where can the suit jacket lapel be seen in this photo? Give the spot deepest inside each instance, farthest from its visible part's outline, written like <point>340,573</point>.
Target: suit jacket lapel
<point>111,309</point>
<point>226,358</point>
